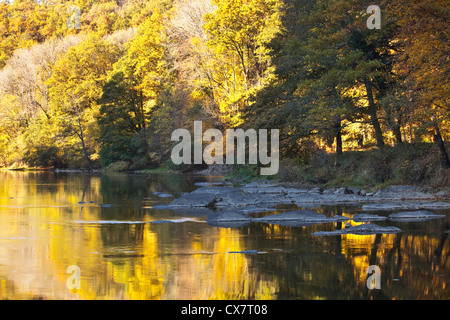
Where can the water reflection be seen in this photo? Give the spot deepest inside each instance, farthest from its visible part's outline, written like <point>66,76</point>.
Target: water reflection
<point>41,235</point>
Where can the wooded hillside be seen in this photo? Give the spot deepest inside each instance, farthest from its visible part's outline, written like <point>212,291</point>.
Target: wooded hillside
<point>84,84</point>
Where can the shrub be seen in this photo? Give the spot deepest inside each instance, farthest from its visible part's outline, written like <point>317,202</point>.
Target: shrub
<point>44,156</point>
<point>118,166</point>
<point>403,164</point>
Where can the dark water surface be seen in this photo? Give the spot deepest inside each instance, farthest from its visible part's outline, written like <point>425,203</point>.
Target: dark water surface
<point>105,225</point>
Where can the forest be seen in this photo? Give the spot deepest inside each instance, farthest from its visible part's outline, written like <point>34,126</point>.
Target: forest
<point>103,84</point>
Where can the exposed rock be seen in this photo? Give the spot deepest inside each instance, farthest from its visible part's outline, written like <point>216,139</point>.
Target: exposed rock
<point>318,190</point>
<point>247,251</point>
<point>362,229</point>
<point>214,190</point>
<point>354,190</point>
<point>216,197</point>
<point>406,206</point>
<point>383,206</point>
<point>237,197</point>
<point>341,191</point>
<point>294,223</point>
<point>363,217</point>
<point>435,205</point>
<point>307,216</point>
<point>165,195</point>
<point>340,218</point>
<point>403,193</point>
<point>257,209</point>
<point>348,190</point>
<point>161,207</point>
<point>269,194</point>
<point>293,191</point>
<point>444,195</point>
<point>325,198</point>
<point>302,197</point>
<point>261,184</point>
<point>265,189</point>
<point>228,219</point>
<point>421,215</point>
<point>203,184</point>
<point>193,199</point>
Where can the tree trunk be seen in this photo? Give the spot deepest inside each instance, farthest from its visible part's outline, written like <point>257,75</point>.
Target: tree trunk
<point>397,126</point>
<point>397,133</point>
<point>81,136</point>
<point>337,122</point>
<point>338,131</point>
<point>440,142</point>
<point>373,113</point>
<point>142,111</point>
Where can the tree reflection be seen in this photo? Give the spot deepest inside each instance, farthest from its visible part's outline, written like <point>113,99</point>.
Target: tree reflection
<point>44,229</point>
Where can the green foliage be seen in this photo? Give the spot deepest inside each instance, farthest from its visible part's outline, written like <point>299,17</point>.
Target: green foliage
<point>244,174</point>
<point>119,120</point>
<point>238,33</point>
<point>403,164</point>
<point>112,92</point>
<point>325,73</point>
<point>170,166</point>
<point>136,115</point>
<point>43,156</point>
<point>118,166</point>
<point>76,85</point>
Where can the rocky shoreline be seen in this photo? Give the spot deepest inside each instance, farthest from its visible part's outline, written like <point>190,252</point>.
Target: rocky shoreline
<point>263,194</point>
<point>229,207</point>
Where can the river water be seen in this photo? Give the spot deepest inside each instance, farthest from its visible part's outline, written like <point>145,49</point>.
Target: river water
<point>104,226</point>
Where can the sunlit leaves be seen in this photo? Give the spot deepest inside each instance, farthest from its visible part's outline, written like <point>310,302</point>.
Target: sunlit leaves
<point>76,85</point>
<point>238,33</point>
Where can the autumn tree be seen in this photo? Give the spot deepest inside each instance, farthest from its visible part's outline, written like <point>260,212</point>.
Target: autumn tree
<point>331,71</point>
<point>238,32</point>
<point>131,93</point>
<point>24,92</point>
<point>76,85</point>
<point>424,63</point>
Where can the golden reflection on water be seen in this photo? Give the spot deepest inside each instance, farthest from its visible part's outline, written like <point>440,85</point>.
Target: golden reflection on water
<point>41,235</point>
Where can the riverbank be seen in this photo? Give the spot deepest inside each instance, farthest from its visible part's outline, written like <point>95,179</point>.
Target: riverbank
<point>231,207</point>
<point>371,170</point>
<point>407,164</point>
<point>269,194</point>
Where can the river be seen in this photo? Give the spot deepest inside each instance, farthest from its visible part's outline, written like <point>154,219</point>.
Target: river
<point>104,225</point>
